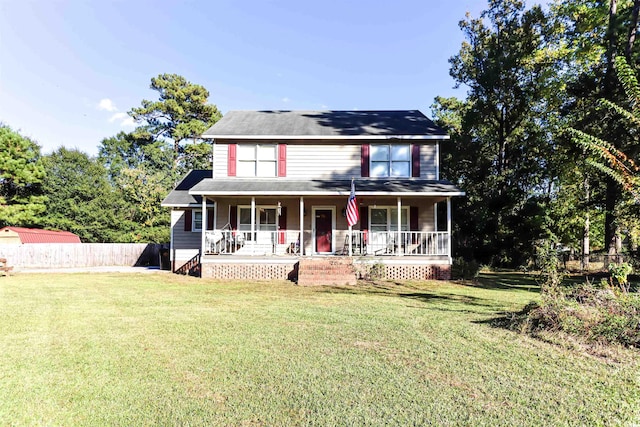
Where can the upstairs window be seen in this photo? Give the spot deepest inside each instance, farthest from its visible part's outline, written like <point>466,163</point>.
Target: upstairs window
<point>257,160</point>
<point>390,160</point>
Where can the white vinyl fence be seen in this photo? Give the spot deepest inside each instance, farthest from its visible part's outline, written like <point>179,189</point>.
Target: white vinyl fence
<point>72,255</point>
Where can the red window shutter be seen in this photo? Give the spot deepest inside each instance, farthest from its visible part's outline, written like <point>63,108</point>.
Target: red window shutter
<point>364,161</point>
<point>210,225</point>
<point>233,217</point>
<point>415,160</point>
<point>413,222</point>
<point>282,159</point>
<point>187,220</point>
<point>364,217</point>
<point>413,219</point>
<point>282,225</point>
<point>231,160</point>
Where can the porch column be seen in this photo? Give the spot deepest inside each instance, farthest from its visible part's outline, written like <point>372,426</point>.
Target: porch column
<point>449,228</point>
<point>203,227</point>
<point>300,243</point>
<point>399,240</point>
<point>172,253</point>
<point>253,219</point>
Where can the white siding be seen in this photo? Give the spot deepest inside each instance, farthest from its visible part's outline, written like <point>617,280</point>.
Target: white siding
<point>220,152</point>
<point>428,161</point>
<point>326,160</point>
<point>323,161</point>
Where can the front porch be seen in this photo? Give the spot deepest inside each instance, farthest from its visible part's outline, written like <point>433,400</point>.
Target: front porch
<point>268,229</point>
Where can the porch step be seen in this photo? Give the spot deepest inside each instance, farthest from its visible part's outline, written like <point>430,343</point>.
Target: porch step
<point>326,271</point>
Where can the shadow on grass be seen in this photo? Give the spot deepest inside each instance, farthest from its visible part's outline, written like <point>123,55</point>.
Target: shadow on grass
<point>406,291</point>
<point>505,281</point>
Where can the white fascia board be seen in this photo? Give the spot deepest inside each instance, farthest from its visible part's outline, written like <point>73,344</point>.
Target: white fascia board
<point>314,137</point>
<point>184,205</point>
<point>331,193</point>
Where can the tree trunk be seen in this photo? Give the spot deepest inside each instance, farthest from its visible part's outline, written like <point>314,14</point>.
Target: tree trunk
<point>586,244</point>
<point>611,194</point>
<point>633,29</point>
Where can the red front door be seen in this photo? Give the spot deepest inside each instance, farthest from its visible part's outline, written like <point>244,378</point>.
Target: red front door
<point>323,230</point>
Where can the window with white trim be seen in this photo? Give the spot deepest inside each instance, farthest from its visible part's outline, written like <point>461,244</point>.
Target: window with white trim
<point>266,218</point>
<point>196,220</point>
<point>257,160</point>
<point>390,160</point>
<point>386,219</point>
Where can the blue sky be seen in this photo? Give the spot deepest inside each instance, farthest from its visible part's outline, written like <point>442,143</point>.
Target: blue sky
<point>70,70</point>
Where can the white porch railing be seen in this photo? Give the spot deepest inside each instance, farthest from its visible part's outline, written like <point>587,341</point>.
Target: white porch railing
<point>363,243</point>
<point>417,243</point>
<point>236,242</point>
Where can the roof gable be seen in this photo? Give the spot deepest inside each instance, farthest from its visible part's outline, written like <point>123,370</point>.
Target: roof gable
<point>326,124</point>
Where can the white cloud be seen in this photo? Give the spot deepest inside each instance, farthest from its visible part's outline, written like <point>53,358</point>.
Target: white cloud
<point>106,104</point>
<point>123,119</point>
<point>285,100</point>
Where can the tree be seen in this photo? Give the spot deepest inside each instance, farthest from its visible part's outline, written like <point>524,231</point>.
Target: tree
<point>180,116</point>
<point>138,170</point>
<point>597,33</point>
<point>501,151</point>
<point>81,199</point>
<point>609,160</point>
<point>125,150</point>
<point>21,174</point>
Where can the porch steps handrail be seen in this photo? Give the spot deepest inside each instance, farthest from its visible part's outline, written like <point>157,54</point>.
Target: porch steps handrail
<point>191,267</point>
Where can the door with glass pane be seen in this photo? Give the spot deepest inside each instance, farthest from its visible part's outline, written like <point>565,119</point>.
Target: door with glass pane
<point>323,234</point>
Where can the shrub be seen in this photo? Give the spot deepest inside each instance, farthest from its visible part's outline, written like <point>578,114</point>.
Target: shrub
<point>462,269</point>
<point>620,273</point>
<point>596,314</point>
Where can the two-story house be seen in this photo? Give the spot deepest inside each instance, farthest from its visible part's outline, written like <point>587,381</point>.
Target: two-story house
<point>278,190</point>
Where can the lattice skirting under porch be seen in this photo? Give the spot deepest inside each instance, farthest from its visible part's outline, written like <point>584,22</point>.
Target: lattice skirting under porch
<point>418,272</point>
<point>249,271</point>
<point>404,272</point>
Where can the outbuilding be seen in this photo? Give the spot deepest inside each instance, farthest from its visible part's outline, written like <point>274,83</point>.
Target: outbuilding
<point>18,235</point>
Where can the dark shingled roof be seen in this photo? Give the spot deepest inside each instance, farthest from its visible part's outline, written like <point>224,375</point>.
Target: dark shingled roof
<point>179,196</point>
<point>327,124</point>
<point>396,187</point>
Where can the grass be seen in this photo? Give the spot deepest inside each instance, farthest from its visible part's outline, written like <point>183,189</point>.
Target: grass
<point>116,349</point>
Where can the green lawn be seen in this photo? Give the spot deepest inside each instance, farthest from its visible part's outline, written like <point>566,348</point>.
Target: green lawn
<point>117,349</point>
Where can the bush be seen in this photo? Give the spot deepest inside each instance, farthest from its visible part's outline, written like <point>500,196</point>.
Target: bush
<point>462,269</point>
<point>597,314</point>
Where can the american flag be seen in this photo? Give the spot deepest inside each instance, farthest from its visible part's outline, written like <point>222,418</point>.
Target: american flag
<point>352,207</point>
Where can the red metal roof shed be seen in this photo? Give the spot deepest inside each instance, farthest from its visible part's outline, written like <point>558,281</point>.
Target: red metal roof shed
<point>35,235</point>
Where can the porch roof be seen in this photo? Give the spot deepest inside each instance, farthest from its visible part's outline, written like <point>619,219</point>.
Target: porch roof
<point>402,124</point>
<point>324,187</point>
